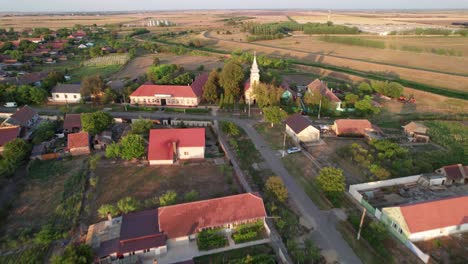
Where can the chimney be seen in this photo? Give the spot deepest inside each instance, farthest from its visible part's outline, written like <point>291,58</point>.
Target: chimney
<point>109,216</point>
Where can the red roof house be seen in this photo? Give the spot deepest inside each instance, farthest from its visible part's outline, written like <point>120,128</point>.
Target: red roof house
<point>187,219</point>
<point>456,173</point>
<point>72,123</point>
<point>354,127</point>
<point>78,143</point>
<point>173,95</point>
<point>168,145</point>
<point>320,87</point>
<point>7,134</point>
<point>24,117</point>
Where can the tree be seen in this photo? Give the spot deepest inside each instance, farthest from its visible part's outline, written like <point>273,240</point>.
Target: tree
<point>332,182</point>
<point>75,254</point>
<point>142,126</point>
<point>231,78</point>
<point>351,99</point>
<point>92,86</point>
<point>267,95</point>
<point>168,198</point>
<point>379,172</point>
<point>211,88</point>
<point>52,79</point>
<point>274,114</point>
<point>230,128</point>
<point>127,205</point>
<point>365,89</point>
<point>156,60</point>
<point>96,122</point>
<point>275,186</point>
<point>46,235</point>
<point>16,151</point>
<point>107,209</point>
<point>113,151</point>
<point>132,147</point>
<point>43,132</point>
<point>191,196</point>
<point>95,51</point>
<point>109,96</point>
<point>161,74</point>
<point>38,95</point>
<point>365,107</point>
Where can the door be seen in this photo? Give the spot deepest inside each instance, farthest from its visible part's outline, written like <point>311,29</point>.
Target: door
<point>163,101</point>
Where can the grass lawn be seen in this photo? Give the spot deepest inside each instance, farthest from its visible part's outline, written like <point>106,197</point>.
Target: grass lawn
<point>275,136</point>
<point>147,183</point>
<point>235,254</point>
<point>37,203</point>
<point>301,169</point>
<point>105,71</point>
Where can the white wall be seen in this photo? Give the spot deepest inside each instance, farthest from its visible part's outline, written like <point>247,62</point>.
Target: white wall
<point>310,134</point>
<point>70,97</point>
<point>356,188</point>
<point>438,232</point>
<point>161,162</point>
<point>174,101</point>
<point>191,152</point>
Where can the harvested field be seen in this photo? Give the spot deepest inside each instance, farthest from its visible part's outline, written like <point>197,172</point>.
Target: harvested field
<point>191,63</point>
<point>135,67</point>
<point>121,179</point>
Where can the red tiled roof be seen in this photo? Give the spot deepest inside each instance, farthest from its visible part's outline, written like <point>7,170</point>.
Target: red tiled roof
<point>190,218</point>
<point>437,214</point>
<point>154,241</point>
<point>7,134</point>
<point>298,123</point>
<point>247,85</point>
<point>352,126</point>
<point>71,121</point>
<point>320,87</point>
<point>160,141</point>
<point>23,115</point>
<point>173,90</point>
<point>454,172</point>
<point>198,84</point>
<point>78,140</point>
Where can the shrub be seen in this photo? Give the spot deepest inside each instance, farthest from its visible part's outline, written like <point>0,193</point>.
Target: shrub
<point>275,186</point>
<point>354,41</point>
<point>191,196</point>
<point>211,239</point>
<point>127,205</point>
<point>107,208</point>
<point>46,235</point>
<point>168,198</point>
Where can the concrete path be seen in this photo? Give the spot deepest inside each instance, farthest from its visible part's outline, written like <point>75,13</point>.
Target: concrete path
<point>325,234</point>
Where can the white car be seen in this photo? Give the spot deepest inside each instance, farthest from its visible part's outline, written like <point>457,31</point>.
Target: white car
<point>293,150</point>
<point>10,104</point>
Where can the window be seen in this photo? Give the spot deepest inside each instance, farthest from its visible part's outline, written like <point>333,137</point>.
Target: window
<point>400,231</point>
<point>66,96</point>
<point>158,101</point>
<point>186,153</point>
<point>74,96</point>
<point>57,96</point>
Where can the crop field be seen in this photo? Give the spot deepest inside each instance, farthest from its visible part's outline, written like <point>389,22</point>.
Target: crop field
<point>115,59</point>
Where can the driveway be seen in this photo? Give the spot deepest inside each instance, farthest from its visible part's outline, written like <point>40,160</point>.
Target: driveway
<point>325,234</point>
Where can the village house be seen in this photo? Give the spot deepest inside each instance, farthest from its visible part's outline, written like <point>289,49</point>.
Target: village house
<point>72,123</point>
<point>170,95</point>
<point>356,128</point>
<point>25,117</point>
<point>416,132</point>
<point>430,219</point>
<point>166,146</point>
<point>78,144</point>
<point>300,129</point>
<point>454,174</point>
<point>253,81</point>
<point>318,87</point>
<point>151,233</point>
<point>7,134</point>
<point>66,93</point>
<point>288,93</point>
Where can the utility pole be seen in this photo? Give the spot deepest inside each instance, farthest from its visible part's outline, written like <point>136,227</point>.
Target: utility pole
<point>284,143</point>
<point>249,107</point>
<point>362,222</point>
<point>320,108</point>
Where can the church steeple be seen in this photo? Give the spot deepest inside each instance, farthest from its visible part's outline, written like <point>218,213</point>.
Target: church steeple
<point>254,72</point>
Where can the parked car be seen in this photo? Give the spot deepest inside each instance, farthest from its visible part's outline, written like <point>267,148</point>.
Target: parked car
<point>10,104</point>
<point>293,150</point>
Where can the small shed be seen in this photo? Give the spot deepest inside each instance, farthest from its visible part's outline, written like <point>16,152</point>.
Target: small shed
<point>300,129</point>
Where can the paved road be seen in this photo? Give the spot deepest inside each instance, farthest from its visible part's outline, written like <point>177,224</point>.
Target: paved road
<point>325,234</point>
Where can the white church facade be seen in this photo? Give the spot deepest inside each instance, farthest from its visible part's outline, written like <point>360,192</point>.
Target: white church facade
<point>253,81</point>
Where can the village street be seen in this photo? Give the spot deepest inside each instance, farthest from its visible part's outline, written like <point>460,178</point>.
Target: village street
<point>325,234</point>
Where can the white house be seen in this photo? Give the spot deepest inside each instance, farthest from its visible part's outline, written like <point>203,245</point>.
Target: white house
<point>168,145</point>
<point>427,220</point>
<point>300,129</point>
<point>66,93</point>
<point>170,95</point>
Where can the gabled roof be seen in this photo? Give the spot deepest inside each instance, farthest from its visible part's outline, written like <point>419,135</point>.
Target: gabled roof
<point>66,88</point>
<point>22,116</point>
<point>78,140</point>
<point>190,218</point>
<point>455,172</point>
<point>7,134</point>
<point>416,127</point>
<point>71,121</point>
<point>192,91</point>
<point>352,126</point>
<point>319,86</point>
<point>436,214</point>
<point>161,141</point>
<point>298,123</point>
<point>139,224</point>
<point>285,86</point>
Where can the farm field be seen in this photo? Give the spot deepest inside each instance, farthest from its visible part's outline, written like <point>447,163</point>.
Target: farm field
<point>459,83</point>
<point>118,180</point>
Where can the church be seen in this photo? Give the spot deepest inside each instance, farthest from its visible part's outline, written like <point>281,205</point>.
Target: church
<point>253,81</point>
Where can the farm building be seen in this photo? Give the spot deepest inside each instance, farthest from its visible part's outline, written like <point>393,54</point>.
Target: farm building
<point>417,132</point>
<point>150,233</point>
<point>250,84</point>
<point>66,93</point>
<point>72,123</point>
<point>356,128</point>
<point>454,174</point>
<point>168,145</point>
<point>7,134</point>
<point>319,87</point>
<point>170,95</point>
<point>24,117</point>
<point>430,219</point>
<point>300,129</point>
<point>182,222</point>
<point>78,144</point>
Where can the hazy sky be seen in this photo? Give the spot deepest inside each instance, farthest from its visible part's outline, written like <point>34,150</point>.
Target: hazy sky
<point>123,5</point>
